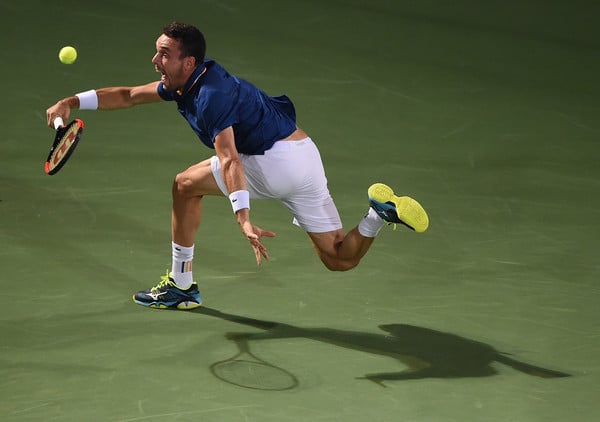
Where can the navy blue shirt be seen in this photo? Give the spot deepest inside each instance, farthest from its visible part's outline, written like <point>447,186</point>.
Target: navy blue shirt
<point>214,100</point>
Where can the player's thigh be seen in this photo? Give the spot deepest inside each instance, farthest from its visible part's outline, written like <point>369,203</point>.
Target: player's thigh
<point>197,180</point>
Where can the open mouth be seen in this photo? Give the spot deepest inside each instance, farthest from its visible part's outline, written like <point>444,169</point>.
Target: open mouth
<point>163,76</point>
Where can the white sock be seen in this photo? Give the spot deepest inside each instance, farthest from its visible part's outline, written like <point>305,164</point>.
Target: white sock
<point>371,224</point>
<point>182,265</point>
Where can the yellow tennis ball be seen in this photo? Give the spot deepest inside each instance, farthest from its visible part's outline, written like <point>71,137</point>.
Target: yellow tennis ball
<point>67,55</point>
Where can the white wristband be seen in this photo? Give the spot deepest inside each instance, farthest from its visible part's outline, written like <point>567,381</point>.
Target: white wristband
<point>88,100</point>
<point>240,199</point>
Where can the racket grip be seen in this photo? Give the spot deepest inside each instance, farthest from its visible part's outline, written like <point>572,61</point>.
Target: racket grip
<point>58,122</point>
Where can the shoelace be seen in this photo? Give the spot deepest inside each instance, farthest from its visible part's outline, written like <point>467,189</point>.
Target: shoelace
<point>165,281</point>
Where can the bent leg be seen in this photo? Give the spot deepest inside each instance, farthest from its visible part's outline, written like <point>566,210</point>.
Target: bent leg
<point>177,289</point>
<point>188,189</point>
<point>339,251</point>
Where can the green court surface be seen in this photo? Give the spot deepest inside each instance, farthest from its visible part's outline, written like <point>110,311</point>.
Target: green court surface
<point>487,112</point>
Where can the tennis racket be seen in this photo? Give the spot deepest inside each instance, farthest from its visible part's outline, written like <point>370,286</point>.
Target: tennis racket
<point>65,142</point>
<point>247,370</point>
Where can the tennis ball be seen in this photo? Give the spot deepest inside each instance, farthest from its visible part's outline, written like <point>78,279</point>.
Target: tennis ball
<point>67,55</point>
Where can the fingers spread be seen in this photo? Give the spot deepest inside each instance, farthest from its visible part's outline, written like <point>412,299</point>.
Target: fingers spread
<point>267,233</point>
<point>259,250</point>
<point>257,255</point>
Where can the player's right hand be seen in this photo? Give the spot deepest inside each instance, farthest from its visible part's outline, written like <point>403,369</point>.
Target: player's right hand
<point>60,109</point>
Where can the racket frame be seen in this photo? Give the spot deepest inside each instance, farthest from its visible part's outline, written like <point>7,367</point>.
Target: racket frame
<point>65,141</point>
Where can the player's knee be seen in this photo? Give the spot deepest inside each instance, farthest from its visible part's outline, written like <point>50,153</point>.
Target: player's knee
<point>182,184</point>
<point>339,265</point>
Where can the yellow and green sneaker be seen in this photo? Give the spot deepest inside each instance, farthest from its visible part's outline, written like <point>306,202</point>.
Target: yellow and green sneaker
<point>167,295</point>
<point>397,209</point>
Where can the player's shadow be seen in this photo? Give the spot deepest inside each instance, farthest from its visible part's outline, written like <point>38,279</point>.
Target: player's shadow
<point>427,353</point>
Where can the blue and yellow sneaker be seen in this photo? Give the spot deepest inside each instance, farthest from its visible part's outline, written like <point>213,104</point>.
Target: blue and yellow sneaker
<point>167,295</point>
<point>397,209</point>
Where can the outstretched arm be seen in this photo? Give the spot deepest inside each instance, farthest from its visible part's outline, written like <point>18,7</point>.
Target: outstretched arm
<point>108,99</point>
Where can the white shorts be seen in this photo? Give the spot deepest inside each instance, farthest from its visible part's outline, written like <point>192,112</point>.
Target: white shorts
<point>291,172</point>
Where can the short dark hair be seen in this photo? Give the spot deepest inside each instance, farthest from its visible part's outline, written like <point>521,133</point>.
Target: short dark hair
<point>191,39</point>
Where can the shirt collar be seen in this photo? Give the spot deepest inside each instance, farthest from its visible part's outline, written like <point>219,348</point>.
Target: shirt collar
<point>192,80</point>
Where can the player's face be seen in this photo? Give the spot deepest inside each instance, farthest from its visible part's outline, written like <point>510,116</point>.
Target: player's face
<point>174,69</point>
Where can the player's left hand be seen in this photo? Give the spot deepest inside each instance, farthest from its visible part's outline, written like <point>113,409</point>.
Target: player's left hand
<point>253,234</point>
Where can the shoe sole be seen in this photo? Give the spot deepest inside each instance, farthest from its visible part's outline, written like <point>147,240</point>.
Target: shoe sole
<point>409,211</point>
<point>185,305</point>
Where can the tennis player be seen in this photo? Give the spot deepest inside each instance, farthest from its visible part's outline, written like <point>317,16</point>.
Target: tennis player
<point>260,153</point>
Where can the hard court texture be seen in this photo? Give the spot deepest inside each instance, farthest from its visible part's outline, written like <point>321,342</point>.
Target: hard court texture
<point>487,112</point>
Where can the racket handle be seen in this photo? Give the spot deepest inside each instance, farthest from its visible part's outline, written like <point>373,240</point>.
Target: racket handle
<point>58,122</point>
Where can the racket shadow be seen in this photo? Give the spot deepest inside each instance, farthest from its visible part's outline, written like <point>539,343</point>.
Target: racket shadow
<point>246,369</point>
<point>425,352</point>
